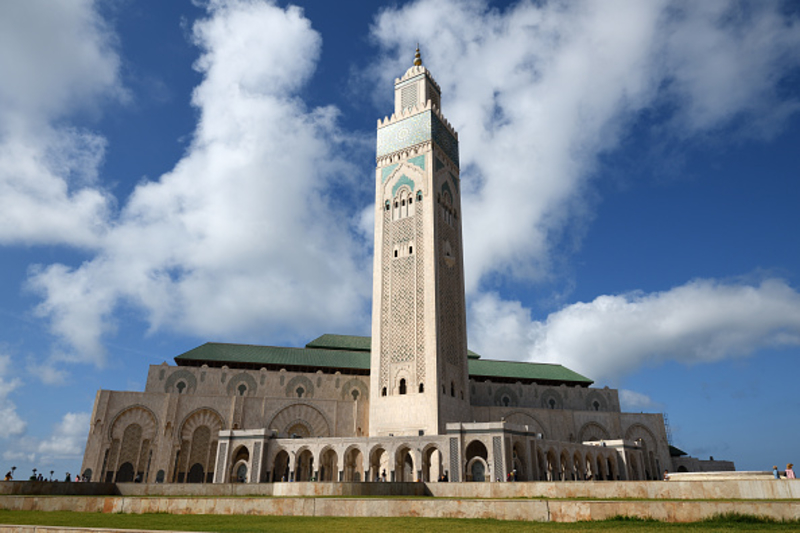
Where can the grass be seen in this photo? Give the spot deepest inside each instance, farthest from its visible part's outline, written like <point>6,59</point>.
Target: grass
<point>251,523</point>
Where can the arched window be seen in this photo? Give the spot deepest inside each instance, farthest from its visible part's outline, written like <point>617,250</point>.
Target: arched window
<point>452,389</point>
<point>422,387</point>
<point>383,391</point>
<point>300,391</point>
<point>410,249</point>
<point>242,389</point>
<point>596,405</point>
<point>180,386</point>
<point>402,386</point>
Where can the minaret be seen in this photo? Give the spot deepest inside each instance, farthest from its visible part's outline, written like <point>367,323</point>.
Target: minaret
<point>419,375</point>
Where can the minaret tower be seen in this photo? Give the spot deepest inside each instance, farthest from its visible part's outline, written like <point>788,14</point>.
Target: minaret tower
<point>419,374</point>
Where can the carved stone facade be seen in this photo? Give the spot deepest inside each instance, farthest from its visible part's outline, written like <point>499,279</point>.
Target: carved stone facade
<point>410,403</point>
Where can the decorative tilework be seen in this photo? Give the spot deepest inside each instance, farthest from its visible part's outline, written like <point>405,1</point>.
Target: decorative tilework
<point>455,460</point>
<point>446,141</point>
<point>414,130</point>
<point>497,450</point>
<point>454,180</point>
<point>387,171</point>
<point>404,180</point>
<point>418,161</point>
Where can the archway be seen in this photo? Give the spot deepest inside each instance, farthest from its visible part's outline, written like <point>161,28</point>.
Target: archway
<point>476,449</point>
<point>196,474</point>
<point>125,473</point>
<point>304,467</point>
<point>353,465</point>
<point>519,464</point>
<point>566,468</point>
<point>577,467</point>
<point>379,464</point>
<point>477,470</point>
<point>432,464</point>
<point>241,457</point>
<point>328,466</point>
<point>552,466</point>
<point>280,468</point>
<point>404,465</point>
<point>600,473</point>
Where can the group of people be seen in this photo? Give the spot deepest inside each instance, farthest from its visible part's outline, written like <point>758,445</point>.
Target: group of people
<point>789,472</point>
<point>40,477</point>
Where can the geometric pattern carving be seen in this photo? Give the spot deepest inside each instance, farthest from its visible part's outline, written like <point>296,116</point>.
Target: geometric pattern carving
<point>451,295</point>
<point>593,397</point>
<point>223,449</point>
<point>299,382</point>
<point>352,385</point>
<point>505,397</point>
<point>181,375</point>
<point>497,448</point>
<point>301,413</point>
<point>414,130</point>
<point>455,460</point>
<point>592,431</point>
<point>134,415</point>
<point>552,400</point>
<point>242,379</point>
<point>524,419</point>
<point>201,417</point>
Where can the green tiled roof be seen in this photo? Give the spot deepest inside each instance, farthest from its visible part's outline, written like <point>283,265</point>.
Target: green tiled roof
<point>486,368</point>
<point>352,353</point>
<point>274,356</point>
<point>354,343</point>
<point>342,342</point>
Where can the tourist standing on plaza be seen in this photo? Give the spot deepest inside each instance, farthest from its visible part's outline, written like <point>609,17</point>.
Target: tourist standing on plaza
<point>789,472</point>
<point>775,472</point>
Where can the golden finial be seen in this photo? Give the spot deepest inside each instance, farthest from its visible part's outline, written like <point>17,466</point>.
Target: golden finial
<point>417,58</point>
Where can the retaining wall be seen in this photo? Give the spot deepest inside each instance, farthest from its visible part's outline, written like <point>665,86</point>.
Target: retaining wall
<point>535,510</point>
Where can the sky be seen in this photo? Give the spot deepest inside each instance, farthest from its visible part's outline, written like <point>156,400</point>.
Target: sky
<point>174,173</point>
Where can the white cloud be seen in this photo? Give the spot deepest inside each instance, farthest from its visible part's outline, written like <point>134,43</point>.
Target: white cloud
<point>240,238</point>
<point>11,424</point>
<point>539,91</point>
<point>700,322</point>
<point>57,59</point>
<point>68,438</point>
<point>631,401</point>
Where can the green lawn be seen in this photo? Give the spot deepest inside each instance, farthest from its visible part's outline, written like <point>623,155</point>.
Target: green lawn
<point>247,523</point>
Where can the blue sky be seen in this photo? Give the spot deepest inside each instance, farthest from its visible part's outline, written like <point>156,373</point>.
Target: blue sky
<point>173,173</point>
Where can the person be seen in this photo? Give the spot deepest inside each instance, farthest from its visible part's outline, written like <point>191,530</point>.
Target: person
<point>775,473</point>
<point>68,478</point>
<point>9,477</point>
<point>666,475</point>
<point>789,471</point>
<point>383,475</point>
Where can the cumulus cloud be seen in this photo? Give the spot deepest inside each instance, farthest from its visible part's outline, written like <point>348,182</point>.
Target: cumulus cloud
<point>241,239</point>
<point>632,401</point>
<point>244,240</point>
<point>68,438</point>
<point>10,422</point>
<point>57,59</point>
<point>700,322</point>
<point>539,91</point>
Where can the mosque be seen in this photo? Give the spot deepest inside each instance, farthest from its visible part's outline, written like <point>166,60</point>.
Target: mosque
<point>409,403</point>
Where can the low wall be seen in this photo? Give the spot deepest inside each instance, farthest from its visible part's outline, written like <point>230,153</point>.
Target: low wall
<point>730,489</point>
<point>532,510</point>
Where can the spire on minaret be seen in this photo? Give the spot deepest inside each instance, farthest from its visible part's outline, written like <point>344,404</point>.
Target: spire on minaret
<point>417,58</point>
